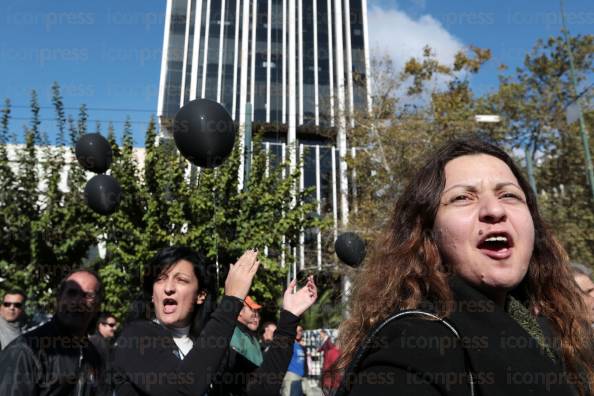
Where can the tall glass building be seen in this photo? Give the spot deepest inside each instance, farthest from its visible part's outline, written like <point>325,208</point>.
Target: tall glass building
<point>267,53</point>
<point>300,65</point>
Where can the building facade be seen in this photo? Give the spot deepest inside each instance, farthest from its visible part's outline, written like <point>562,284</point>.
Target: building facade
<point>291,64</point>
<point>273,54</point>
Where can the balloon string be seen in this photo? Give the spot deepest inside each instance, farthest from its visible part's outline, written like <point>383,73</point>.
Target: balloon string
<point>216,232</point>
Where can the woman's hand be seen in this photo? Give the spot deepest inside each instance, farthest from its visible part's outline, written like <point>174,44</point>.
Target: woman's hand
<point>240,276</point>
<point>301,300</point>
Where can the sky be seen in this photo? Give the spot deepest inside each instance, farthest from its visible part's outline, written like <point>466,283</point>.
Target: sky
<point>107,54</point>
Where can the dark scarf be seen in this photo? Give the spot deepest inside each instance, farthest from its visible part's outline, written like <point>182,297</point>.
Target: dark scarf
<point>507,350</point>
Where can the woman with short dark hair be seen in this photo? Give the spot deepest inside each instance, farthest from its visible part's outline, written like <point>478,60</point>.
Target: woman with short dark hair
<point>467,292</point>
<point>179,349</point>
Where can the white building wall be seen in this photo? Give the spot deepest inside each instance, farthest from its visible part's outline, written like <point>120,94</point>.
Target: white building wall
<point>13,151</point>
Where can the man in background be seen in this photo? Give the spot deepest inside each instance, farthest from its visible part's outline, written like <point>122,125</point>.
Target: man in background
<point>330,376</point>
<point>246,369</point>
<point>57,357</point>
<point>104,337</point>
<point>12,315</point>
<point>293,381</point>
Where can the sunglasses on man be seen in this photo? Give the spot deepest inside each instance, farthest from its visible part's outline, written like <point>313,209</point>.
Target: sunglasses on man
<point>8,304</point>
<point>74,292</point>
<point>112,325</point>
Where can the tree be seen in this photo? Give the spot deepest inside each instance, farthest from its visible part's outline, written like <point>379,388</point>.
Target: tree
<point>7,185</point>
<point>534,100</point>
<point>22,208</point>
<point>122,231</point>
<point>49,230</point>
<point>162,205</point>
<point>410,115</point>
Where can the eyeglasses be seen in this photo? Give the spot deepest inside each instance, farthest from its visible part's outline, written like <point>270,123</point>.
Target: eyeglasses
<point>8,304</point>
<point>112,325</point>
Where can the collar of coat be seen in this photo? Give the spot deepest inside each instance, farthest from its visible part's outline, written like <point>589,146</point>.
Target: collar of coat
<point>529,322</point>
<point>506,347</point>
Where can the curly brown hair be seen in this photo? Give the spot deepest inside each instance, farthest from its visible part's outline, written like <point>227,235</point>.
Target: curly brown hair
<point>406,266</point>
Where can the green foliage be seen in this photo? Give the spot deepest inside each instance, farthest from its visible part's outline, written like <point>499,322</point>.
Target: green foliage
<point>317,317</point>
<point>532,102</point>
<point>171,203</point>
<point>7,184</point>
<point>48,230</point>
<point>394,138</point>
<point>328,310</point>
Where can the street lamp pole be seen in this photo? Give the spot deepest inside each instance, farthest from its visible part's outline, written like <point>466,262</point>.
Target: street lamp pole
<point>583,130</point>
<point>529,152</point>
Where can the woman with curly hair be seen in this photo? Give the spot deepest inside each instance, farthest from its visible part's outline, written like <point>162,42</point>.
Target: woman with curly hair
<point>467,291</point>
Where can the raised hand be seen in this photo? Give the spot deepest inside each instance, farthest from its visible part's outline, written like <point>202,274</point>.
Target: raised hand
<point>299,301</point>
<point>240,276</point>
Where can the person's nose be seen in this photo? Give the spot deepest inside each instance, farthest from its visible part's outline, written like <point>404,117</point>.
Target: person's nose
<point>491,209</point>
<point>169,286</point>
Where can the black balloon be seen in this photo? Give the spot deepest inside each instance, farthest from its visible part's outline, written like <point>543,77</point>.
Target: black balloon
<point>93,152</point>
<point>350,248</point>
<point>204,133</point>
<point>103,194</point>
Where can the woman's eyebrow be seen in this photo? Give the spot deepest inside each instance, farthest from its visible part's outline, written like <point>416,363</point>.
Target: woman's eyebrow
<point>473,188</point>
<point>468,187</point>
<point>502,185</point>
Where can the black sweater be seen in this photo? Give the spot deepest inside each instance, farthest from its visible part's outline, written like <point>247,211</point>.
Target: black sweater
<point>146,357</point>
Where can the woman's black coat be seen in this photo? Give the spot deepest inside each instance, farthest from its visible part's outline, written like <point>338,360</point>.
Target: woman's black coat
<point>418,357</point>
<point>147,359</point>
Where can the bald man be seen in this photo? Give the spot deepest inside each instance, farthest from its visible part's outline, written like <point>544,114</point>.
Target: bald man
<point>57,358</point>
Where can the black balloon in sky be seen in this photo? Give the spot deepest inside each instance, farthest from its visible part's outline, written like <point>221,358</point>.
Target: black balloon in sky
<point>204,133</point>
<point>103,194</point>
<point>350,248</point>
<point>93,152</point>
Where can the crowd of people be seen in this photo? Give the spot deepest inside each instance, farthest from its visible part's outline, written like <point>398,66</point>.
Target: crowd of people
<point>179,342</point>
<point>466,292</point>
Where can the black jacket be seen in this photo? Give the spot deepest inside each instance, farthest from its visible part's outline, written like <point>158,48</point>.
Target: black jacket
<point>239,377</point>
<point>147,360</point>
<point>47,362</point>
<point>105,349</point>
<point>415,356</point>
<point>103,346</point>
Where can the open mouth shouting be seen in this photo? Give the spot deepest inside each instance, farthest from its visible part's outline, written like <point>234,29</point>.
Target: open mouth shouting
<point>169,305</point>
<point>496,245</point>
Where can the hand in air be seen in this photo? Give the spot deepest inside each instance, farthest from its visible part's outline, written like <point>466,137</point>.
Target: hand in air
<point>299,301</point>
<point>241,274</point>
